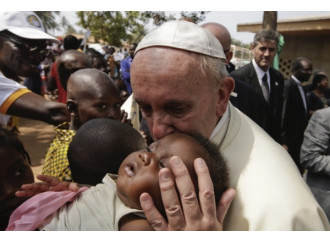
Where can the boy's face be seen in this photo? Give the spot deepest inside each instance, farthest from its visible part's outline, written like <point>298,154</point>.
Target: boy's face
<point>139,171</point>
<point>14,172</point>
<point>101,100</point>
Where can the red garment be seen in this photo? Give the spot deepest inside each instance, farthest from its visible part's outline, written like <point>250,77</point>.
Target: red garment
<point>61,91</point>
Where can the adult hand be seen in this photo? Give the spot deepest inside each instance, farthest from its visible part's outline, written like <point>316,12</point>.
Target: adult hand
<point>57,113</point>
<point>49,183</point>
<point>192,215</point>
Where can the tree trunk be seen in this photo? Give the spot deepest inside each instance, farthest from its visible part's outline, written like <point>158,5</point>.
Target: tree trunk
<point>269,20</point>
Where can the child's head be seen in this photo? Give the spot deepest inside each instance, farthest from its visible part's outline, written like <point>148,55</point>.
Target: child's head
<point>139,171</point>
<point>15,171</point>
<point>122,89</point>
<point>99,147</point>
<point>92,94</point>
<point>97,60</point>
<point>69,62</point>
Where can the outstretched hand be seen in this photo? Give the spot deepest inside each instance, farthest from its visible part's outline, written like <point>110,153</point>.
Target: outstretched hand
<point>49,183</point>
<point>195,213</point>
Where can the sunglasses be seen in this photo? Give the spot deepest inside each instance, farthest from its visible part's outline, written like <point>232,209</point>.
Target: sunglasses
<point>30,47</point>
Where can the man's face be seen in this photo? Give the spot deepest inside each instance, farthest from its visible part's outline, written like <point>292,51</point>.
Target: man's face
<point>264,53</point>
<point>22,56</point>
<point>139,171</point>
<point>305,71</point>
<point>132,50</point>
<point>172,93</point>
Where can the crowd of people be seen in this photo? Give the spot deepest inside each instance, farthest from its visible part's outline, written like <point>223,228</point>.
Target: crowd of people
<point>168,136</point>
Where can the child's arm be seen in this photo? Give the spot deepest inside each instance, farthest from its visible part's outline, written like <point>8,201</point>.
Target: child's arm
<point>49,183</point>
<point>132,222</point>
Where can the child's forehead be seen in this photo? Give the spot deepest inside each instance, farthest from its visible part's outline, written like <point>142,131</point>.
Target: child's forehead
<point>180,144</point>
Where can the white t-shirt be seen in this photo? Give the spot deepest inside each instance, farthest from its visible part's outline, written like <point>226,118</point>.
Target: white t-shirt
<point>96,209</point>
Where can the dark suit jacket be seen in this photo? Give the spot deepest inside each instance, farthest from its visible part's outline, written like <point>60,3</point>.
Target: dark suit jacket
<point>294,119</point>
<point>246,101</point>
<point>272,112</point>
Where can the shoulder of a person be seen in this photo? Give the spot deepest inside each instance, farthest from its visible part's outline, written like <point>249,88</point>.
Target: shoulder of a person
<point>241,72</point>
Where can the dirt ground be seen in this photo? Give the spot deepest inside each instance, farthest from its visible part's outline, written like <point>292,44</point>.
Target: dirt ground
<point>36,137</point>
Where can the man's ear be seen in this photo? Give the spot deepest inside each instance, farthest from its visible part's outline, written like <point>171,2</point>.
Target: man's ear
<point>225,88</point>
<point>72,107</point>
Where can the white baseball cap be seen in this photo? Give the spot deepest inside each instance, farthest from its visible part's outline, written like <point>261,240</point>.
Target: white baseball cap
<point>181,34</point>
<point>24,24</point>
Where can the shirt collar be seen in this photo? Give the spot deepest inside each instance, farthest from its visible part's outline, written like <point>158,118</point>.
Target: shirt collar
<point>296,80</point>
<point>260,72</point>
<point>220,123</point>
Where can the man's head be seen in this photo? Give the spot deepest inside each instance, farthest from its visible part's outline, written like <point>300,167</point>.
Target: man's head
<point>264,48</point>
<point>179,80</point>
<point>99,147</point>
<point>223,35</point>
<point>92,94</point>
<point>23,43</point>
<point>138,173</point>
<point>69,62</point>
<point>132,48</point>
<point>302,69</point>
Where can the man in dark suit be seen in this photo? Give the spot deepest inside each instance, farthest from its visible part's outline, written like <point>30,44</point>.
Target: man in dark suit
<point>267,82</point>
<point>243,97</point>
<point>295,109</point>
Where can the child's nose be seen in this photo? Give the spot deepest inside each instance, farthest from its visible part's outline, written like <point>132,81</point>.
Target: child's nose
<point>145,158</point>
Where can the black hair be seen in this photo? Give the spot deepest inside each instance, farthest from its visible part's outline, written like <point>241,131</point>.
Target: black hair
<point>297,64</point>
<point>99,147</point>
<point>216,164</point>
<point>316,80</point>
<point>71,42</point>
<point>10,138</point>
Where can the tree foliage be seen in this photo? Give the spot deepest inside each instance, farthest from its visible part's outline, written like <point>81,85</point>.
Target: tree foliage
<point>48,19</point>
<point>116,27</point>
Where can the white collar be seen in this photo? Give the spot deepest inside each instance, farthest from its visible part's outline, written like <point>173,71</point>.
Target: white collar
<point>221,123</point>
<point>296,80</point>
<point>260,72</point>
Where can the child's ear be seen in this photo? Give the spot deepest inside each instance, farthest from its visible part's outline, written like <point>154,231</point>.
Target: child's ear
<point>72,108</point>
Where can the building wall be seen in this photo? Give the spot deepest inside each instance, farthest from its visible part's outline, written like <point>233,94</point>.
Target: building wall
<point>315,48</point>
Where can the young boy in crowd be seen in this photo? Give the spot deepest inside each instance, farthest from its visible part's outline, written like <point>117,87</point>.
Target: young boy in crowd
<point>15,171</point>
<point>114,204</point>
<point>90,94</point>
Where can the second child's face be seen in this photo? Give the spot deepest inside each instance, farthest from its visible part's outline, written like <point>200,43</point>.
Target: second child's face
<point>100,102</point>
<point>139,171</point>
<point>14,172</point>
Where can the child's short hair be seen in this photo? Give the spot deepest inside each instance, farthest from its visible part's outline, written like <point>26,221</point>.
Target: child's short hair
<point>216,164</point>
<point>10,138</point>
<point>99,147</point>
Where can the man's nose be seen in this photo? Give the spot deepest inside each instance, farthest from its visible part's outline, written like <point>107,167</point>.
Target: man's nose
<point>161,127</point>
